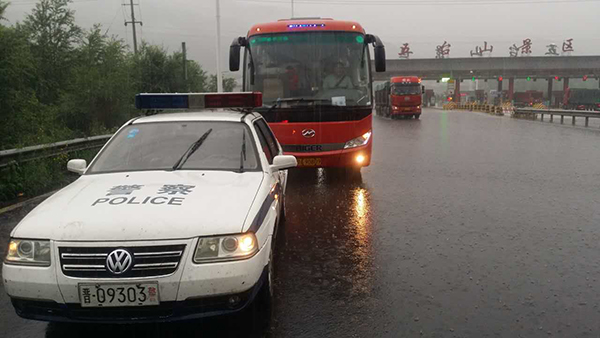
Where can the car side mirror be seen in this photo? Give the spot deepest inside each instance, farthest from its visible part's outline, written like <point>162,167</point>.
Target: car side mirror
<point>282,162</point>
<point>77,166</point>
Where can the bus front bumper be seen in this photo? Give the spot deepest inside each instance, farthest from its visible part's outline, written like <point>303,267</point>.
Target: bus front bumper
<point>347,158</point>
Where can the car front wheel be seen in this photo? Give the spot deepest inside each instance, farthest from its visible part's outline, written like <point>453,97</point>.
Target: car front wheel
<point>261,308</point>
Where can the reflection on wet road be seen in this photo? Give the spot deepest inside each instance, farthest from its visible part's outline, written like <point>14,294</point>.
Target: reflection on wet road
<point>465,225</point>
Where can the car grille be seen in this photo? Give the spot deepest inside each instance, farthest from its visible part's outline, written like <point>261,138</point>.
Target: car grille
<point>148,261</point>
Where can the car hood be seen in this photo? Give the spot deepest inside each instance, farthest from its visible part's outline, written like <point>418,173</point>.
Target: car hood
<point>144,206</point>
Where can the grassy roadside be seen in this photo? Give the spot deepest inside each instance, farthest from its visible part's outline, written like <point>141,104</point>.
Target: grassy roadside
<point>20,182</point>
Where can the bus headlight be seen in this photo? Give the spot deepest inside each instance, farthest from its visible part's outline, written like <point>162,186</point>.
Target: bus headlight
<point>28,252</point>
<point>359,141</point>
<point>225,248</point>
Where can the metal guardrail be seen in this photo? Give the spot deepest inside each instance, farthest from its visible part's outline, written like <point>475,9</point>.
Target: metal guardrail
<point>484,108</point>
<point>558,112</point>
<point>52,149</point>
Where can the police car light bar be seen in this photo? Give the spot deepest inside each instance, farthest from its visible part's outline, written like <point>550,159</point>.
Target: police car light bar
<point>198,100</point>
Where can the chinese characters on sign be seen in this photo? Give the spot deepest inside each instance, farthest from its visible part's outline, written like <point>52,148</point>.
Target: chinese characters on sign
<point>514,51</point>
<point>443,51</point>
<point>552,49</point>
<point>524,49</point>
<point>404,51</point>
<point>479,50</point>
<point>567,47</point>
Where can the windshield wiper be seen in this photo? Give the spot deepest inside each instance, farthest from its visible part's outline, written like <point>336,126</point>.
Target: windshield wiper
<point>192,149</point>
<point>243,152</point>
<point>296,99</point>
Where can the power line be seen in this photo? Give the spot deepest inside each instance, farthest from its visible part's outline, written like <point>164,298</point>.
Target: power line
<point>112,21</point>
<point>422,2</point>
<point>27,2</point>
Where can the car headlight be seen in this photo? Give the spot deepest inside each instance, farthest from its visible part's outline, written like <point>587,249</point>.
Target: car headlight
<point>225,248</point>
<point>28,252</point>
<point>359,141</point>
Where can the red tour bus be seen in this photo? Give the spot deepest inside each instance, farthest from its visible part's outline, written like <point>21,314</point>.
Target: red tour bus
<point>315,76</point>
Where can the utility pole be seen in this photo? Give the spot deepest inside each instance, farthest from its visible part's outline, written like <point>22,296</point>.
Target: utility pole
<point>133,23</point>
<point>184,52</point>
<point>292,9</point>
<point>219,74</point>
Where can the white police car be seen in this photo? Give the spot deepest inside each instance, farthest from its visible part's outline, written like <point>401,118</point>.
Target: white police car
<point>174,219</point>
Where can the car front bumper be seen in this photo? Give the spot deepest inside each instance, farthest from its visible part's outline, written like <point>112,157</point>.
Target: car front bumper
<point>193,291</point>
<point>192,308</point>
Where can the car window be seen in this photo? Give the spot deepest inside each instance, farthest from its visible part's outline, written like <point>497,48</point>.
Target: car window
<point>159,146</point>
<point>264,144</point>
<point>270,138</point>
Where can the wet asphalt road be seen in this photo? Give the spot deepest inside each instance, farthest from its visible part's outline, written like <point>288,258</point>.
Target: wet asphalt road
<point>464,225</point>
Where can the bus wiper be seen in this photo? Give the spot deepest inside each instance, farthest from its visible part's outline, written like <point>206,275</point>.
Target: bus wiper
<point>192,149</point>
<point>302,99</point>
<point>243,152</point>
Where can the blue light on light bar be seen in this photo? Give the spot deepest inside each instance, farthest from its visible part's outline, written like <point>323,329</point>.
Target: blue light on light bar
<point>161,101</point>
<point>306,25</point>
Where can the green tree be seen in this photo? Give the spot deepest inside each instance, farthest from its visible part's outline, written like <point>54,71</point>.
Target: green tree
<point>229,84</point>
<point>25,121</point>
<point>158,72</point>
<point>3,6</point>
<point>53,35</point>
<point>99,94</point>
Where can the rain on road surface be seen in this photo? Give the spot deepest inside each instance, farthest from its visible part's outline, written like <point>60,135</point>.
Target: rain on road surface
<point>464,225</point>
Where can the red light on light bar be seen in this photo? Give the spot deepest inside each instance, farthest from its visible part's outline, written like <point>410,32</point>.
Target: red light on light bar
<point>233,100</point>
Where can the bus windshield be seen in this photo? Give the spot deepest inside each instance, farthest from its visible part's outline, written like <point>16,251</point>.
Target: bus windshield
<point>309,68</point>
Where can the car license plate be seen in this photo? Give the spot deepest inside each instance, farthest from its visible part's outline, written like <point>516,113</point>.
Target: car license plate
<point>309,162</point>
<point>113,295</point>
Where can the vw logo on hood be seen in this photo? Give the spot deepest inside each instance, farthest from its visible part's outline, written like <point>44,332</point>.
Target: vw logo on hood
<point>119,261</point>
<point>308,133</point>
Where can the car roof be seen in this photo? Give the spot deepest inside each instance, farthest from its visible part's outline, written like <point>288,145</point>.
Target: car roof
<point>196,115</point>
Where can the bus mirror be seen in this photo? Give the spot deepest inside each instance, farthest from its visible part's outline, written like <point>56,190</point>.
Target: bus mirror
<point>379,52</point>
<point>379,59</point>
<point>234,53</point>
<point>423,89</point>
<point>234,58</point>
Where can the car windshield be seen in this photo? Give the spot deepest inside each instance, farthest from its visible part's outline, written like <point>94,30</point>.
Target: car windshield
<point>412,89</point>
<point>159,146</point>
<point>325,68</point>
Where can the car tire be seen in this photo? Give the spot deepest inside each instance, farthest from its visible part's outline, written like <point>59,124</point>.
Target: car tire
<point>262,307</point>
<point>417,116</point>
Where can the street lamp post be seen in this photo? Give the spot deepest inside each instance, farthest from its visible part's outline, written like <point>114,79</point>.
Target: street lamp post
<point>219,75</point>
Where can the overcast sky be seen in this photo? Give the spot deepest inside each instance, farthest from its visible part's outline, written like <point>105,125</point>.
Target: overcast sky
<point>422,23</point>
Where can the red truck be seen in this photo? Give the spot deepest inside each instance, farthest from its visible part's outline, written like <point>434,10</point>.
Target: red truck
<point>400,97</point>
<point>528,98</point>
<point>582,99</point>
